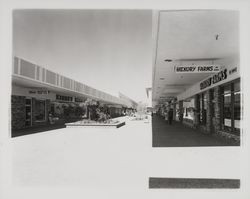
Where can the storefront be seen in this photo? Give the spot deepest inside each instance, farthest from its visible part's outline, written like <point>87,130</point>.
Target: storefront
<point>188,112</point>
<point>29,107</point>
<point>115,111</point>
<point>231,107</point>
<point>214,104</point>
<point>33,106</point>
<point>39,96</point>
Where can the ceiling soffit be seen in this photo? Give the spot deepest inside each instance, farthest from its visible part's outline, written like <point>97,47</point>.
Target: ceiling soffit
<point>189,38</point>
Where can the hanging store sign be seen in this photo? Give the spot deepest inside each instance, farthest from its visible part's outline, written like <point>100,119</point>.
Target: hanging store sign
<point>197,69</point>
<point>214,79</point>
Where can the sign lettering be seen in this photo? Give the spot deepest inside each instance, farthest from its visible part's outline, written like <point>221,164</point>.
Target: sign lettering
<point>40,92</point>
<point>214,79</point>
<point>197,69</point>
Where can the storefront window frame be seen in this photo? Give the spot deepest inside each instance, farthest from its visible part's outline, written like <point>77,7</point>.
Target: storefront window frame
<point>31,110</point>
<point>201,108</point>
<point>232,130</point>
<point>188,112</point>
<point>45,111</point>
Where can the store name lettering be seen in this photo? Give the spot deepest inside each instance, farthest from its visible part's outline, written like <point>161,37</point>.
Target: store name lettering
<point>185,69</point>
<point>39,92</point>
<point>197,69</point>
<point>214,79</point>
<point>64,98</point>
<point>234,70</point>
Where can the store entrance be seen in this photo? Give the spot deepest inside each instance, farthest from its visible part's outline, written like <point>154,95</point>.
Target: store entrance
<point>28,110</point>
<point>231,107</point>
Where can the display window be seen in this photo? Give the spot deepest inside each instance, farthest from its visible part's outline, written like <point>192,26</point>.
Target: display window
<point>237,106</point>
<point>227,110</point>
<point>189,109</point>
<point>203,108</point>
<point>40,110</point>
<point>231,107</point>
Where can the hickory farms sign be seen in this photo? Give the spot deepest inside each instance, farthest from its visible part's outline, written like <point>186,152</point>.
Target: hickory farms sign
<point>197,69</point>
<point>214,79</point>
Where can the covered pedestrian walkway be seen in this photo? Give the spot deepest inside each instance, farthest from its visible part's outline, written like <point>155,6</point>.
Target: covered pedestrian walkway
<point>179,135</point>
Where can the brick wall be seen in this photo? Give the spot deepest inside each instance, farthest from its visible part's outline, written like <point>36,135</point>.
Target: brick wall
<point>181,110</point>
<point>209,112</point>
<point>213,125</point>
<point>217,109</point>
<point>196,111</point>
<point>17,112</point>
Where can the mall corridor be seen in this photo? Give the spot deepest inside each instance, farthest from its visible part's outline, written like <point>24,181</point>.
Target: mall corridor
<point>178,135</point>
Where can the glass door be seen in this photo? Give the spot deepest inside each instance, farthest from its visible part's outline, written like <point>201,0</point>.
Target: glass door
<point>28,109</point>
<point>227,108</point>
<point>237,107</point>
<point>231,107</point>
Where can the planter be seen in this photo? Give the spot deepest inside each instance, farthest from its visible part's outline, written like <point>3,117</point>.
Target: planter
<point>82,124</point>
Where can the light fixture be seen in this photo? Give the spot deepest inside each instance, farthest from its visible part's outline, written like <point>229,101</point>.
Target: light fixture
<point>168,60</point>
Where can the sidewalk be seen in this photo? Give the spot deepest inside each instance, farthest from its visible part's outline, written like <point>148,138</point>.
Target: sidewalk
<point>178,135</point>
<point>39,129</point>
<point>36,129</point>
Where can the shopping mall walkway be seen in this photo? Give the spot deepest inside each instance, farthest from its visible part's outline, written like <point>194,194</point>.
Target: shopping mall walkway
<point>178,135</point>
<point>37,129</point>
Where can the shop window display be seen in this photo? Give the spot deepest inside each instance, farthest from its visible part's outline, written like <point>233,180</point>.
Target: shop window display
<point>40,110</point>
<point>227,110</point>
<point>189,110</point>
<point>231,107</point>
<point>237,106</point>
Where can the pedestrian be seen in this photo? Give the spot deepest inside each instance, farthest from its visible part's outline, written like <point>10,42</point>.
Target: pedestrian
<point>166,115</point>
<point>170,116</point>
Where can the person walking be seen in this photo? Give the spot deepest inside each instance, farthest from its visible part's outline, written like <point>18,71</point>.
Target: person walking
<point>170,116</point>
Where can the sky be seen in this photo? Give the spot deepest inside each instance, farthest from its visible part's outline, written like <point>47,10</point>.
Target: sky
<point>110,50</point>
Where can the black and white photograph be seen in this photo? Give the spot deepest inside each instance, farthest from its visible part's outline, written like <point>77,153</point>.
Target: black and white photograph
<point>109,49</point>
<point>108,101</point>
<point>196,79</point>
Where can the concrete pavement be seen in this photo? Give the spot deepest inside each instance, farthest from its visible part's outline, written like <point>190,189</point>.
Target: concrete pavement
<point>178,135</point>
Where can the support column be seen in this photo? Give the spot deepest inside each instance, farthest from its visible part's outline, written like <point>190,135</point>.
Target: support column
<point>209,112</point>
<point>217,109</point>
<point>196,111</point>
<point>181,110</point>
<point>174,112</point>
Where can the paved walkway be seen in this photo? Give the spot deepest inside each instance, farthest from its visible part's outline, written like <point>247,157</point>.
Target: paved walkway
<point>178,135</point>
<point>36,129</point>
<point>59,125</point>
<point>108,163</point>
